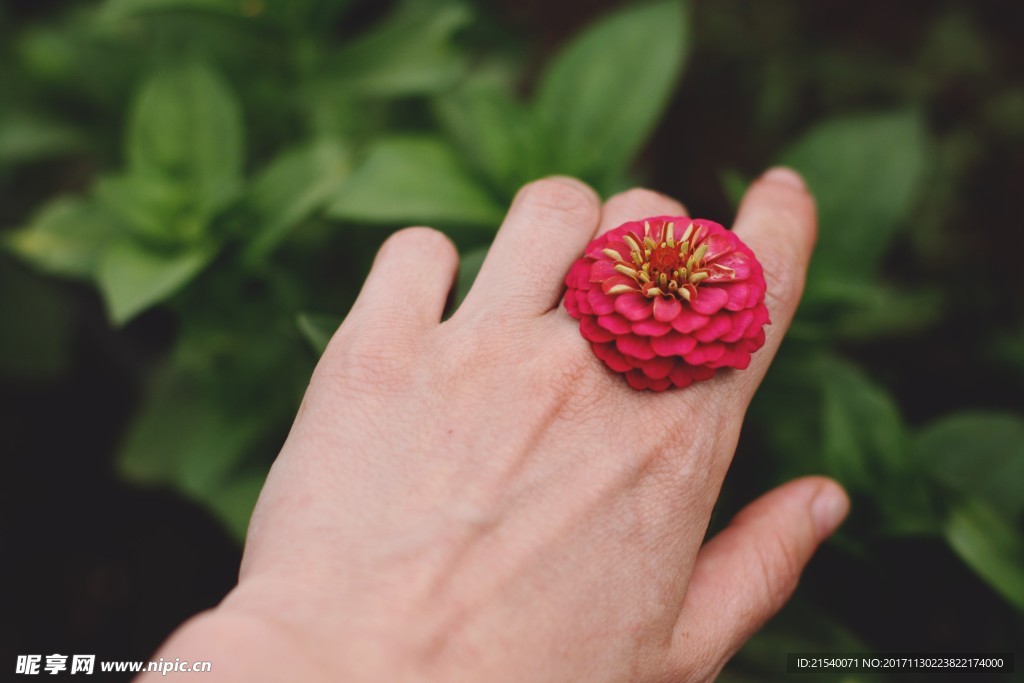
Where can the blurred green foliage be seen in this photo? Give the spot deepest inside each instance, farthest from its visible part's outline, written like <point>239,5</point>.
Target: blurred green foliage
<point>233,164</point>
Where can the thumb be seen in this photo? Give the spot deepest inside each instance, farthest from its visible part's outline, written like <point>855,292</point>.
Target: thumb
<point>746,573</point>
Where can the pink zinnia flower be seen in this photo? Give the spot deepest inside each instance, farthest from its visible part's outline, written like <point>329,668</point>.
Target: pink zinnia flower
<point>669,300</point>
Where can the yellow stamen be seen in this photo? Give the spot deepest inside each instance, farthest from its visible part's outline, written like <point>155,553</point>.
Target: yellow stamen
<point>621,289</point>
<point>697,277</point>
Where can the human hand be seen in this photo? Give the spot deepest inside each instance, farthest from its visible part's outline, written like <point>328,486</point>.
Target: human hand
<point>480,499</point>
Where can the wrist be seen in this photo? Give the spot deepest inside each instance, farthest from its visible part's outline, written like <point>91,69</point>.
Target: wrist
<point>239,647</point>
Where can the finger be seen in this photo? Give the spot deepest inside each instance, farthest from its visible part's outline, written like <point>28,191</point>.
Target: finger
<point>634,205</point>
<point>746,573</point>
<point>408,284</point>
<point>547,227</point>
<point>778,221</point>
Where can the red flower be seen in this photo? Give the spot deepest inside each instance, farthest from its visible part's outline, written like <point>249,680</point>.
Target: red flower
<point>669,300</point>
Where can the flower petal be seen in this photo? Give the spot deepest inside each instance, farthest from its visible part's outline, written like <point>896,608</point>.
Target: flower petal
<point>593,332</point>
<point>666,309</point>
<point>611,357</point>
<point>703,372</point>
<point>620,247</point>
<point>581,302</point>
<point>651,328</point>
<point>579,274</point>
<point>753,342</point>
<point>637,347</point>
<point>756,295</point>
<point>732,358</point>
<point>737,262</point>
<point>571,305</point>
<point>614,323</point>
<point>602,269</point>
<point>600,303</point>
<point>658,341</point>
<point>658,368</point>
<point>718,244</point>
<point>738,294</point>
<point>673,344</point>
<point>709,300</point>
<point>720,324</point>
<point>639,381</point>
<point>705,353</point>
<point>688,321</point>
<point>761,315</point>
<point>633,306</point>
<point>617,280</point>
<point>740,323</point>
<point>682,375</point>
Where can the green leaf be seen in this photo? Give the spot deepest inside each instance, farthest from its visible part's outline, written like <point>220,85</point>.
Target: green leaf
<point>25,137</point>
<point>183,435</point>
<point>295,15</point>
<point>186,438</point>
<point>294,186</point>
<point>133,278</point>
<point>123,9</point>
<point>1005,348</point>
<point>494,132</point>
<point>801,626</point>
<point>991,546</point>
<point>866,447</point>
<point>865,309</point>
<point>308,16</point>
<point>865,172</point>
<point>234,501</point>
<point>318,328</point>
<point>604,93</point>
<point>734,185</point>
<point>156,209</point>
<point>787,409</point>
<point>68,237</point>
<point>410,53</point>
<point>414,180</point>
<point>981,454</point>
<point>187,126</point>
<point>35,335</point>
<point>864,439</point>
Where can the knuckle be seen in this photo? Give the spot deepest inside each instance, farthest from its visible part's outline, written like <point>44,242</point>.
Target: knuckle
<point>780,563</point>
<point>419,240</point>
<point>646,199</point>
<point>360,368</point>
<point>559,196</point>
<point>356,359</point>
<point>784,275</point>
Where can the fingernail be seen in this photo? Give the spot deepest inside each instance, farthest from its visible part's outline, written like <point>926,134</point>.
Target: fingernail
<point>829,509</point>
<point>785,176</point>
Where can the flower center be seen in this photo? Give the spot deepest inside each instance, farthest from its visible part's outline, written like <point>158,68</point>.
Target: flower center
<point>665,259</point>
<point>661,265</point>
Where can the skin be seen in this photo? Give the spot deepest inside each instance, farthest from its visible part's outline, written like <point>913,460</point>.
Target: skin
<point>482,500</point>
